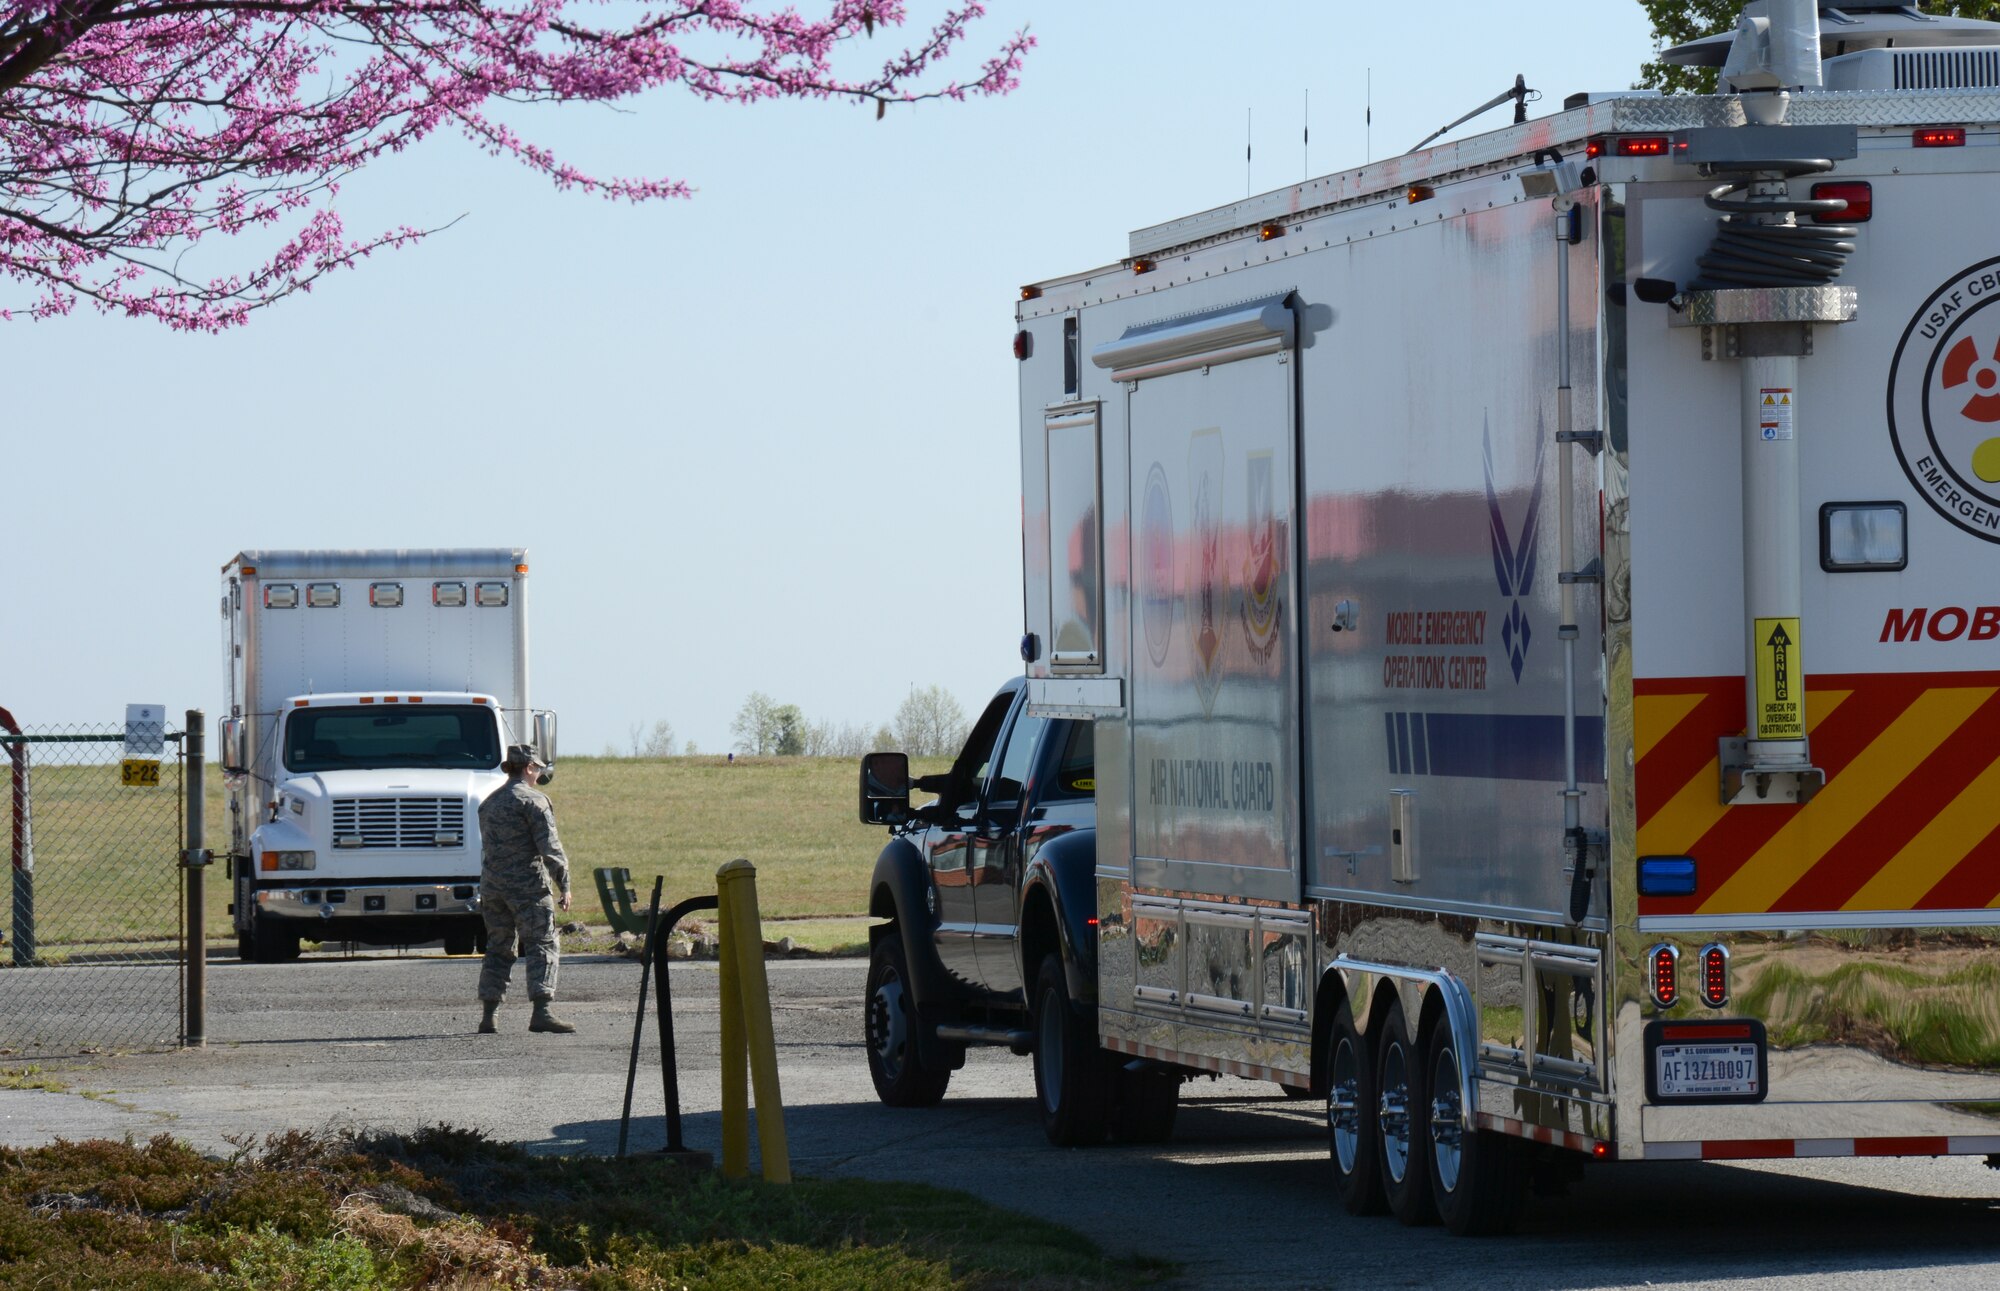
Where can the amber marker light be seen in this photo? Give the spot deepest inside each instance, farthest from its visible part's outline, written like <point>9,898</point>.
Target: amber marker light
<point>1031,293</point>
<point>1269,231</point>
<point>1421,193</point>
<point>1142,265</point>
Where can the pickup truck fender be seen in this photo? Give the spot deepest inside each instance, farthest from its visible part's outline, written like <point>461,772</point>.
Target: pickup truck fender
<point>1059,911</point>
<point>900,891</point>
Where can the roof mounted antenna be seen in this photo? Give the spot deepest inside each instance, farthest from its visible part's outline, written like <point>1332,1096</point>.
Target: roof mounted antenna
<point>1521,95</point>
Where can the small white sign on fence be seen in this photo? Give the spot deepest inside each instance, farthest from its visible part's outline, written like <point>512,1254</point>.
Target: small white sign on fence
<point>145,730</point>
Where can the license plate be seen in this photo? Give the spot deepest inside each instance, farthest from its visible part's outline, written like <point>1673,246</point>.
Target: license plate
<point>1707,1071</point>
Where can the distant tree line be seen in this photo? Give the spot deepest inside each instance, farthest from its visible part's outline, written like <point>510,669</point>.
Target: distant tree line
<point>928,723</point>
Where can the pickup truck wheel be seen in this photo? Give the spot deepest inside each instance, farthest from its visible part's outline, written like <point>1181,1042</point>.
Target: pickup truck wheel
<point>1402,1121</point>
<point>461,942</point>
<point>894,1063</point>
<point>1146,1105</point>
<point>1073,1078</point>
<point>1474,1174</point>
<point>1351,1127</point>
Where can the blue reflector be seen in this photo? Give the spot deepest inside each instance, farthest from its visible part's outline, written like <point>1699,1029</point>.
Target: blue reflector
<point>1666,876</point>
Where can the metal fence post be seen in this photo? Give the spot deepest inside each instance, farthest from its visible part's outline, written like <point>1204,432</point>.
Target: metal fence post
<point>23,837</point>
<point>194,859</point>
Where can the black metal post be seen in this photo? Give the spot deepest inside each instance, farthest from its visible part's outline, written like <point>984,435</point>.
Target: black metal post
<point>669,1072</point>
<point>194,859</point>
<point>639,1021</point>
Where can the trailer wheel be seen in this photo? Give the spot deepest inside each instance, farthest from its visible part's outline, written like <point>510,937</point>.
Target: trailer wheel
<point>1400,1100</point>
<point>1146,1104</point>
<point>1474,1177</point>
<point>1073,1079</point>
<point>894,1063</point>
<point>1351,1128</point>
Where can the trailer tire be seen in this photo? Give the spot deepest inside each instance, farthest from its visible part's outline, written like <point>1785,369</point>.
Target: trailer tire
<point>895,1060</point>
<point>1401,1115</point>
<point>1146,1105</point>
<point>1073,1078</point>
<point>1351,1127</point>
<point>1474,1175</point>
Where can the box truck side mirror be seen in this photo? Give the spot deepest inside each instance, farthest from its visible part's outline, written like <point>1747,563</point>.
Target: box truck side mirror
<point>885,788</point>
<point>232,745</point>
<point>545,744</point>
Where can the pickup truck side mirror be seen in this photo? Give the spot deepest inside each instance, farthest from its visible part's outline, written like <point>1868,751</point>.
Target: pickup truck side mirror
<point>885,788</point>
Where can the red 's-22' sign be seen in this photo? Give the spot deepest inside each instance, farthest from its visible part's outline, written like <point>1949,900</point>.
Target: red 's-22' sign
<point>1949,623</point>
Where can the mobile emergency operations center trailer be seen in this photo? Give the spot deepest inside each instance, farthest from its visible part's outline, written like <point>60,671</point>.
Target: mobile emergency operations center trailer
<point>1539,599</point>
<point>371,695</point>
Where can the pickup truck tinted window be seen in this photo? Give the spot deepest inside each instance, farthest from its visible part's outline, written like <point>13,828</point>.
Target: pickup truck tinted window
<point>1076,772</point>
<point>968,773</point>
<point>1019,759</point>
<point>350,739</point>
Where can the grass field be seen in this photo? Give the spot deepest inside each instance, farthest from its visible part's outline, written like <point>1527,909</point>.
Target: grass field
<point>105,872</point>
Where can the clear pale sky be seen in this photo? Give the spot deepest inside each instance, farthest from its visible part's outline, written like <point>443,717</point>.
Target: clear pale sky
<point>759,440</point>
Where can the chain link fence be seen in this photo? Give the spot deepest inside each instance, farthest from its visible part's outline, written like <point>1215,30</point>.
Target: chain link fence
<point>94,943</point>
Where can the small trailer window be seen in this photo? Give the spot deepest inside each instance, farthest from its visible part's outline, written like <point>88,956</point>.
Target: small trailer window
<point>1076,552</point>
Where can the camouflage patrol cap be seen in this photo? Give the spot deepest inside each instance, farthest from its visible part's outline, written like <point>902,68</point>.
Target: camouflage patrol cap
<point>522,755</point>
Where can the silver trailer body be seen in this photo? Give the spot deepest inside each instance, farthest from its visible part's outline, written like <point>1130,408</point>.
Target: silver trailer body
<point>1299,523</point>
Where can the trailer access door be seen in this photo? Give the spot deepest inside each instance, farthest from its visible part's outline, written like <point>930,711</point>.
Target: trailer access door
<point>1211,406</point>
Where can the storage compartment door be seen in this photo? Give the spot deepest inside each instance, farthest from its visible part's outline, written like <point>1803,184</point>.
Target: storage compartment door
<point>1214,689</point>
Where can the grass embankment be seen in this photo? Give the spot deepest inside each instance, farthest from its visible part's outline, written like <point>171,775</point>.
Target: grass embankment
<point>106,878</point>
<point>445,1208</point>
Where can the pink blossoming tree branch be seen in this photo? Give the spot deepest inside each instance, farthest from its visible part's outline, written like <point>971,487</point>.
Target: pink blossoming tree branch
<point>132,130</point>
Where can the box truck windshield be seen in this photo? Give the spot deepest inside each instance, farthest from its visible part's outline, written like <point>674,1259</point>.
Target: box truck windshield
<point>352,739</point>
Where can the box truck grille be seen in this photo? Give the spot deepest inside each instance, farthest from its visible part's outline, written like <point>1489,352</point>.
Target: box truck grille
<point>398,822</point>
<point>1947,69</point>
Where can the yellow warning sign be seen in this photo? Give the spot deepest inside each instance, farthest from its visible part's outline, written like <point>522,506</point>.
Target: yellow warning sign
<point>144,772</point>
<point>1781,682</point>
<point>1774,417</point>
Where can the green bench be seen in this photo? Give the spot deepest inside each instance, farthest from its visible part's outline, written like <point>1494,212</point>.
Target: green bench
<point>620,900</point>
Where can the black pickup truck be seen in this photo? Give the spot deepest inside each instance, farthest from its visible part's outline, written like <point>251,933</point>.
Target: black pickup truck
<point>990,899</point>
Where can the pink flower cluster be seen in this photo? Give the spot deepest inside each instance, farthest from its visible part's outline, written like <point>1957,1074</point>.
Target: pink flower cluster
<point>130,130</point>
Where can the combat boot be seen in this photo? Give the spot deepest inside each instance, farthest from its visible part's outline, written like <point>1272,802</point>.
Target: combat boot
<point>486,1026</point>
<point>547,1021</point>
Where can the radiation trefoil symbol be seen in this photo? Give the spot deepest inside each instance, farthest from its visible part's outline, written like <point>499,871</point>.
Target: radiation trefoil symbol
<point>1966,364</point>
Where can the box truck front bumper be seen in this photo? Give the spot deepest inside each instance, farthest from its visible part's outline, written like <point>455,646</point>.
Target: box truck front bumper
<point>369,901</point>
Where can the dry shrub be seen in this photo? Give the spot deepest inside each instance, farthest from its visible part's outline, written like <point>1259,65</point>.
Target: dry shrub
<point>454,1253</point>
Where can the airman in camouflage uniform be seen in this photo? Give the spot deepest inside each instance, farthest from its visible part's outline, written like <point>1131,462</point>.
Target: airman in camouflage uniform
<point>519,854</point>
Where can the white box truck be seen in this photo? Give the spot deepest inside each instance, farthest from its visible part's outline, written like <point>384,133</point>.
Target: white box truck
<point>1537,600</point>
<point>371,695</point>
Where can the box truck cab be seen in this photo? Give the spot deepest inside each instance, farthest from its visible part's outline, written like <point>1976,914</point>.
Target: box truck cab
<point>372,694</point>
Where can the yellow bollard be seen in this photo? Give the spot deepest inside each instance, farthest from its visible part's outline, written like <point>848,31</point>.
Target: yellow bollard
<point>746,993</point>
<point>735,1094</point>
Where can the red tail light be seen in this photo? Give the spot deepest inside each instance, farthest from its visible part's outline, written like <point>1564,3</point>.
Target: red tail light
<point>1652,145</point>
<point>1666,961</point>
<point>1715,975</point>
<point>1858,194</point>
<point>1939,137</point>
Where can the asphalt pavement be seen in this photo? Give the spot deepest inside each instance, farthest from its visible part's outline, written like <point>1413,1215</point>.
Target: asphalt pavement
<point>1238,1197</point>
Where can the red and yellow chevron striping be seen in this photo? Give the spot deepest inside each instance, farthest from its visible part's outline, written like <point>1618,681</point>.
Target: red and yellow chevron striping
<point>1909,819</point>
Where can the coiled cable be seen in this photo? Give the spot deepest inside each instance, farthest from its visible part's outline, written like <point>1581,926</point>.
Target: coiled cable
<point>1760,243</point>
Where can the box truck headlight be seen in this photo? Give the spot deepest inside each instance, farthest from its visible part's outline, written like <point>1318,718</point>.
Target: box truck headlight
<point>281,861</point>
<point>1860,536</point>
